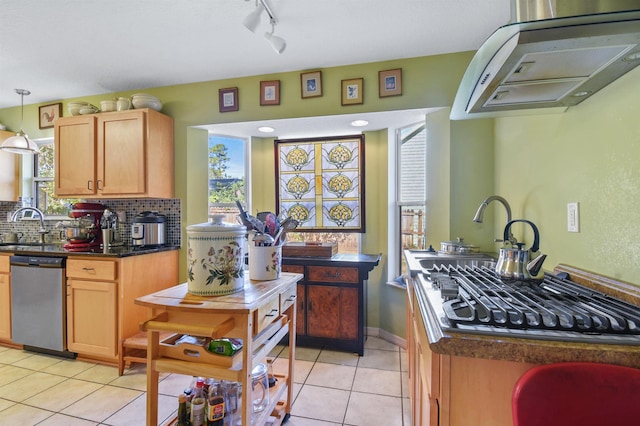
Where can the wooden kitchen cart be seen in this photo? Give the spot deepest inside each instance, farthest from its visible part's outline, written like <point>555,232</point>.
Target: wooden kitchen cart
<point>261,315</point>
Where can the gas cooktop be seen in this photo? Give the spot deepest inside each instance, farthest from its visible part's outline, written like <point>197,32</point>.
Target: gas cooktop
<point>474,300</point>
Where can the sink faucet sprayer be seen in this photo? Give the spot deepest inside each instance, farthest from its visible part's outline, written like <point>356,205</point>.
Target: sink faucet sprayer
<point>480,213</point>
<point>42,231</point>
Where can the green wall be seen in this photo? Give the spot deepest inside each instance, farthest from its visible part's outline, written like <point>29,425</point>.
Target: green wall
<point>590,154</point>
<point>428,82</point>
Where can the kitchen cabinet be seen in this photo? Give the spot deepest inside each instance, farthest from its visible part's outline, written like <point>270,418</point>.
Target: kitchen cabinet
<point>451,390</point>
<point>125,154</point>
<point>101,294</point>
<point>261,315</point>
<point>332,300</point>
<point>5,297</point>
<point>92,307</point>
<point>9,172</point>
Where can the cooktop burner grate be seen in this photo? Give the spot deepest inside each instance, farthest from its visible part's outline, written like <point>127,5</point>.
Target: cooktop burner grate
<point>555,304</point>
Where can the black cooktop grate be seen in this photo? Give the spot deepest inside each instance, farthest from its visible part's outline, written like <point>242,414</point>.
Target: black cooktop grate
<point>555,304</point>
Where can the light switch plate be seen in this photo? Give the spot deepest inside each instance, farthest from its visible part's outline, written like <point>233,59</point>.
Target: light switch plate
<point>573,217</point>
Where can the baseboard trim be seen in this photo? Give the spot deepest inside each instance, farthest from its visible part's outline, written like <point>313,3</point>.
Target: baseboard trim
<point>385,335</point>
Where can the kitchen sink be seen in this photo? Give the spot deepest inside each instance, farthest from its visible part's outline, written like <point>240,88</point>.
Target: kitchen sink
<point>420,260</point>
<point>487,261</point>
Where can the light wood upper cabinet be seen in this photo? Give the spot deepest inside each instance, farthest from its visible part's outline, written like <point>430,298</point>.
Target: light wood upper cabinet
<point>75,155</point>
<point>127,154</point>
<point>8,172</point>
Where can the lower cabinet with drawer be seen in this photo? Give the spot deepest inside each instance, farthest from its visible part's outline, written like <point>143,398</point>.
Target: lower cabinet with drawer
<point>331,300</point>
<point>5,298</point>
<point>101,294</point>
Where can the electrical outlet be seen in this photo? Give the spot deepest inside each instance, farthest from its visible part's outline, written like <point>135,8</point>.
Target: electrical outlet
<point>573,217</point>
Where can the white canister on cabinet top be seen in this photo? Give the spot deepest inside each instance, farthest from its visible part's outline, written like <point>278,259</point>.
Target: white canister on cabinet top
<point>215,261</point>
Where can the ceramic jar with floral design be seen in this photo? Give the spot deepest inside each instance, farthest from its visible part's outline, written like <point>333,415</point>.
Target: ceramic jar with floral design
<point>215,253</point>
<point>265,262</point>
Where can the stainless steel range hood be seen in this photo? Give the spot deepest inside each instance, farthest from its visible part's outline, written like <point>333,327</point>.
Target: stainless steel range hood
<point>547,65</point>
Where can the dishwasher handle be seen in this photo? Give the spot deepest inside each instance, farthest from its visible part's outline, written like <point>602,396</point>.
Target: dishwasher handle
<point>38,261</point>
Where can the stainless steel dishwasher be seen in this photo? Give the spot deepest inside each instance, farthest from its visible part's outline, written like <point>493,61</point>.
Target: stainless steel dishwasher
<point>38,304</point>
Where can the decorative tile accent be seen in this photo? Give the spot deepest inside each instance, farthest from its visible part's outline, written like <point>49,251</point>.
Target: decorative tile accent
<point>171,208</point>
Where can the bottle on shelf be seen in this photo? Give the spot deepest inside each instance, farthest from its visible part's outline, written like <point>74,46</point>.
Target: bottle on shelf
<point>217,406</point>
<point>188,396</point>
<point>183,417</point>
<point>198,405</point>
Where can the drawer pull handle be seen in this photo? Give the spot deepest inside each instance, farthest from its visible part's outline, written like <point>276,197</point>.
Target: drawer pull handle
<point>334,275</point>
<point>98,187</point>
<point>88,269</point>
<point>272,313</point>
<point>291,298</point>
<point>89,187</point>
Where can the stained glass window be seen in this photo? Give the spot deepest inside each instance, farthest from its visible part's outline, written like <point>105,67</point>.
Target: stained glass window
<point>321,182</point>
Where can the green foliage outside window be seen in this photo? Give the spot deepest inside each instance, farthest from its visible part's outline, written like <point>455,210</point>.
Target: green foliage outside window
<point>44,184</point>
<point>224,189</point>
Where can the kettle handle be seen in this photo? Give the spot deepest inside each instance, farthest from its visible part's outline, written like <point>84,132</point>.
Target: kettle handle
<point>536,235</point>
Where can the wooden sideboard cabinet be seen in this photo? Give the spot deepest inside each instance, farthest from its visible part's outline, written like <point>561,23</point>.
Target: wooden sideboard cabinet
<point>332,300</point>
<point>9,178</point>
<point>125,154</point>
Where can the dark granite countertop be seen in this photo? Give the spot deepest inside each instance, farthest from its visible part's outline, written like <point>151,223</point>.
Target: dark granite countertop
<point>54,249</point>
<point>338,258</point>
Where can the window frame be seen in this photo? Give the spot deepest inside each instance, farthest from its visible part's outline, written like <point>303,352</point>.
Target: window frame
<point>30,168</point>
<point>246,170</point>
<point>395,224</point>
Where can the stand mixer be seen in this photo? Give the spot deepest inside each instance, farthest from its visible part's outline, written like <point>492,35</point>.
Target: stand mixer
<point>88,217</point>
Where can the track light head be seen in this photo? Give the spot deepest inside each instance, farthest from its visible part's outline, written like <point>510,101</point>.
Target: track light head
<point>278,43</point>
<point>253,19</point>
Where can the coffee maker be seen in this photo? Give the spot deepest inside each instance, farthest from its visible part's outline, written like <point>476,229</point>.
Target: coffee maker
<point>87,217</point>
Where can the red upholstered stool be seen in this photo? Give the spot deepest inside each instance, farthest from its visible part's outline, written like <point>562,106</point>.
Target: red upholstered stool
<point>577,393</point>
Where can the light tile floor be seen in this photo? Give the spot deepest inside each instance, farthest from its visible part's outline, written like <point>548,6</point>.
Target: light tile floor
<point>331,388</point>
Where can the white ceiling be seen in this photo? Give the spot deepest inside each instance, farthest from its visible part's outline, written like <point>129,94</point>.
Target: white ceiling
<point>72,48</point>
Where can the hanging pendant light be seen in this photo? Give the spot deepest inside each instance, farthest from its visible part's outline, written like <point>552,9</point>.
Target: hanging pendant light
<point>20,143</point>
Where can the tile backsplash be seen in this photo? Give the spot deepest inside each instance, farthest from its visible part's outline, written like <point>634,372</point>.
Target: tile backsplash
<point>131,207</point>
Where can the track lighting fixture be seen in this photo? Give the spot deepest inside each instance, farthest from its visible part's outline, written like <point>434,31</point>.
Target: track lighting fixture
<point>253,20</point>
<point>276,42</point>
<point>20,143</point>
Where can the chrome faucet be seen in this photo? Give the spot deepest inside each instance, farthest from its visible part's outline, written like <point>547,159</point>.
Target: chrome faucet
<point>42,231</point>
<point>480,213</point>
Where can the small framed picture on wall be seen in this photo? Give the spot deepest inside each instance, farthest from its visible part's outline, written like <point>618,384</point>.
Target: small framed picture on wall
<point>353,91</point>
<point>390,83</point>
<point>311,84</point>
<point>270,92</point>
<point>228,99</point>
<point>48,114</point>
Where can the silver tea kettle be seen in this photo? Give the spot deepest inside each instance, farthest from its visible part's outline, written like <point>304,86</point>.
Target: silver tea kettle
<point>518,264</point>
